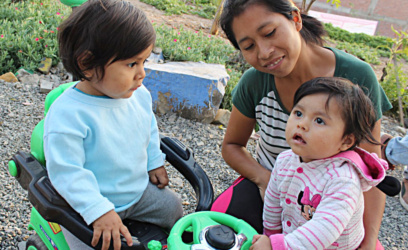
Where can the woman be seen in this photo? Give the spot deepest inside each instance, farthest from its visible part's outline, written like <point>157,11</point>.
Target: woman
<point>285,49</point>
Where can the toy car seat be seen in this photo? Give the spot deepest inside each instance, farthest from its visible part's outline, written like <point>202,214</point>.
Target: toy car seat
<point>73,3</point>
<point>50,209</point>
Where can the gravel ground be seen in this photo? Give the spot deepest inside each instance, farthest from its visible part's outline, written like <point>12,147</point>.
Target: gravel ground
<point>21,107</point>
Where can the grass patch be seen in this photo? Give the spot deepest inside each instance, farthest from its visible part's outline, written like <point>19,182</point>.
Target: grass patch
<point>202,8</point>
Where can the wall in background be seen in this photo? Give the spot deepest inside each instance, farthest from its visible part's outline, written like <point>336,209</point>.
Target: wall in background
<point>386,12</point>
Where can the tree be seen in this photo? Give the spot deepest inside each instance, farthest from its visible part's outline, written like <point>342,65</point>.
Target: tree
<point>399,47</point>
<point>216,22</point>
<point>305,9</point>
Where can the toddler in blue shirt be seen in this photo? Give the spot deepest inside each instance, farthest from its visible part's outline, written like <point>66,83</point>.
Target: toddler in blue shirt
<point>101,139</point>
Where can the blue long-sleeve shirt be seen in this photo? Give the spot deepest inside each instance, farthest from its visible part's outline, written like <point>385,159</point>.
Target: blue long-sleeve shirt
<point>99,150</point>
<point>397,150</point>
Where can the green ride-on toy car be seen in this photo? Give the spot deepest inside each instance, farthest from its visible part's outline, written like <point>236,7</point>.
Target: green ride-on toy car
<point>200,230</point>
<point>73,3</point>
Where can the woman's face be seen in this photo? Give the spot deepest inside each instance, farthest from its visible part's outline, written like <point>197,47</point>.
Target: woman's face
<point>269,41</point>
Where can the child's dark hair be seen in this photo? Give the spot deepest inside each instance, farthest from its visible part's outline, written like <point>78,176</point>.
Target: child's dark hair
<point>357,109</point>
<point>312,30</point>
<point>100,32</point>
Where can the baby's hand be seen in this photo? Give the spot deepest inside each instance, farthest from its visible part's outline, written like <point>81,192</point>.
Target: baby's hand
<point>159,177</point>
<point>110,226</point>
<point>260,242</point>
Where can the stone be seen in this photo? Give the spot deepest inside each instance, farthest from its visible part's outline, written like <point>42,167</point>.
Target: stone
<point>45,86</point>
<point>53,70</point>
<point>172,118</point>
<point>52,78</point>
<point>45,65</point>
<point>9,77</point>
<point>156,56</point>
<point>192,90</point>
<point>22,73</point>
<point>60,66</point>
<point>222,117</point>
<point>157,50</point>
<point>400,130</point>
<point>67,77</point>
<point>32,79</point>
<point>177,182</point>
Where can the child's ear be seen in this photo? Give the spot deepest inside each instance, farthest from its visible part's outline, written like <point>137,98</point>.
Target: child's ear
<point>81,59</point>
<point>348,142</point>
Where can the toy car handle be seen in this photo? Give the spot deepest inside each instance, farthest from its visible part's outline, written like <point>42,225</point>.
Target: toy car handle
<point>182,159</point>
<point>201,220</point>
<point>390,186</point>
<point>33,177</point>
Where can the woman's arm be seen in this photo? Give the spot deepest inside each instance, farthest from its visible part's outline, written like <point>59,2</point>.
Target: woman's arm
<point>377,135</point>
<point>235,153</point>
<point>374,199</point>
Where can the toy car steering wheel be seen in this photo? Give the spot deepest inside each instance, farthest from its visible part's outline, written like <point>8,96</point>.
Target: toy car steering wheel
<point>211,230</point>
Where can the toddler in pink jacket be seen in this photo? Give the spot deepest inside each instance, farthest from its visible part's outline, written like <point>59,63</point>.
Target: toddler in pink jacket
<point>314,198</point>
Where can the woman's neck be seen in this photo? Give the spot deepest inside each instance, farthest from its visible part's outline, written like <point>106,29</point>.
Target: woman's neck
<point>314,61</point>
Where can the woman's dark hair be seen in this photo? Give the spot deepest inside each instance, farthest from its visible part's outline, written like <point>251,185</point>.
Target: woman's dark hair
<point>101,32</point>
<point>357,109</point>
<point>312,30</point>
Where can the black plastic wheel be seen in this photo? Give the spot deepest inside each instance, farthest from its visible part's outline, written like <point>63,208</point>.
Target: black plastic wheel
<point>34,242</point>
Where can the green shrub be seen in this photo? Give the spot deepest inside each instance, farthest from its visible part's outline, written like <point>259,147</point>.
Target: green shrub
<point>203,8</point>
<point>390,86</point>
<point>235,75</point>
<point>365,53</point>
<point>171,7</point>
<point>374,42</point>
<point>179,44</point>
<point>28,33</point>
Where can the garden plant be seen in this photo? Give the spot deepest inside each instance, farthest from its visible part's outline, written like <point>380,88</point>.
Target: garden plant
<point>28,32</point>
<point>203,8</point>
<point>396,81</point>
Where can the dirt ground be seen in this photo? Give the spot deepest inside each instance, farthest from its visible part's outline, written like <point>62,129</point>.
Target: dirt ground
<point>194,22</point>
<point>189,21</point>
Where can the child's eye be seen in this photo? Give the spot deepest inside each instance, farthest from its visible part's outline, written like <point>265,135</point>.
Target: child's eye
<point>298,113</point>
<point>131,65</point>
<point>320,121</point>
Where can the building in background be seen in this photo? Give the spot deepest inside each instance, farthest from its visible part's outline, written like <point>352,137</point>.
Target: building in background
<point>384,12</point>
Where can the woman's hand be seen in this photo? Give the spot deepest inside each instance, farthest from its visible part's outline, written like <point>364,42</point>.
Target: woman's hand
<point>110,226</point>
<point>263,184</point>
<point>260,242</point>
<point>159,177</point>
